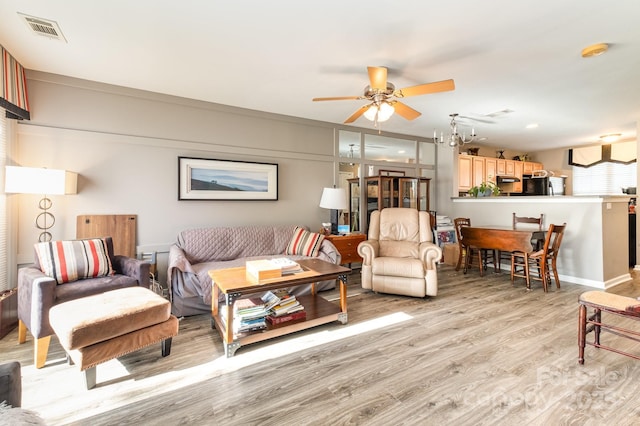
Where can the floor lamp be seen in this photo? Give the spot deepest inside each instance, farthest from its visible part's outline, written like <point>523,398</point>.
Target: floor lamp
<point>334,199</point>
<point>34,180</point>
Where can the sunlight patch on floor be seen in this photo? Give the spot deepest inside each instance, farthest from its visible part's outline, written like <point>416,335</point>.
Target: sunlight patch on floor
<point>125,390</point>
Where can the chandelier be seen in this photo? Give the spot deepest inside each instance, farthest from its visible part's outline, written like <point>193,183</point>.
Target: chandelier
<point>454,138</point>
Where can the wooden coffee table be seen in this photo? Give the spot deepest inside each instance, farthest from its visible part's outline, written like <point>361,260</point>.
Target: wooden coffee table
<point>234,285</point>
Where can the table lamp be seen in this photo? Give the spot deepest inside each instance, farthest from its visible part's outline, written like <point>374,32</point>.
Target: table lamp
<point>34,180</point>
<point>334,199</point>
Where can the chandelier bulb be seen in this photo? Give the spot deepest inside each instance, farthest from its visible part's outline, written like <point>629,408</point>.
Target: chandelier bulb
<point>454,138</point>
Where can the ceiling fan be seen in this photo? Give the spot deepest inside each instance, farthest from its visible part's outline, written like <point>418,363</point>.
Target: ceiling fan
<point>381,93</point>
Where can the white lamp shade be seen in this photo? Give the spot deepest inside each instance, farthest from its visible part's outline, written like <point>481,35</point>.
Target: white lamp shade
<point>334,198</point>
<point>35,180</point>
<point>385,110</point>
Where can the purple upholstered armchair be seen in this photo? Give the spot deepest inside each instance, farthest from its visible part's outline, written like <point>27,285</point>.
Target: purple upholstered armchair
<point>38,292</point>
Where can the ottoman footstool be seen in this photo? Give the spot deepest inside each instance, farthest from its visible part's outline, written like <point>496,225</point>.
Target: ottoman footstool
<point>98,328</point>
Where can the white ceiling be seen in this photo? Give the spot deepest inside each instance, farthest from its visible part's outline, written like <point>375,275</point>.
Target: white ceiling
<point>276,56</point>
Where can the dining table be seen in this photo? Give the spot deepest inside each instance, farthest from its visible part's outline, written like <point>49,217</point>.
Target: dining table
<point>500,238</point>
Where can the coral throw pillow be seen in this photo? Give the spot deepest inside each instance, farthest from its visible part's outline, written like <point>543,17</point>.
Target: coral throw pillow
<point>305,243</point>
<point>68,261</point>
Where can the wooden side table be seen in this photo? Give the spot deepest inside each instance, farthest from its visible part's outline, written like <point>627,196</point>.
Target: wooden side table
<point>347,245</point>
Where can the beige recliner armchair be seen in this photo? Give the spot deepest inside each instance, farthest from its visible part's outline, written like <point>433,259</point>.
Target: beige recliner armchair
<point>399,256</point>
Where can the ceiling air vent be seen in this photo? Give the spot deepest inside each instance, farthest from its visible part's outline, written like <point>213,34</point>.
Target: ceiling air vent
<point>43,27</point>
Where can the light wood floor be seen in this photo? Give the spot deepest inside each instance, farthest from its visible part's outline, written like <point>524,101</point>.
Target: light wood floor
<point>480,353</point>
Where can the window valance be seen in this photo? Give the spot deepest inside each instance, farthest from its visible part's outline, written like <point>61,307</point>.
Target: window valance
<point>13,92</point>
<point>621,152</point>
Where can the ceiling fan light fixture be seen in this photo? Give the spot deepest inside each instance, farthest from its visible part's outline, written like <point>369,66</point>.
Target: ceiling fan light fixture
<point>379,112</point>
<point>594,50</point>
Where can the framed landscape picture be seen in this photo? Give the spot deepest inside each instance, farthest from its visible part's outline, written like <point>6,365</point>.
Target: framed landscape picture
<point>206,179</point>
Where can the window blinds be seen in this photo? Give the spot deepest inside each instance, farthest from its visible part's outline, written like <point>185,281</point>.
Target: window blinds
<point>603,179</point>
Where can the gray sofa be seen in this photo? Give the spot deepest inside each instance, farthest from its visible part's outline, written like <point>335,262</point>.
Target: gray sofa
<point>197,251</point>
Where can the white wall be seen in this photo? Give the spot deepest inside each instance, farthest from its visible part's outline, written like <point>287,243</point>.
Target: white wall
<point>594,250</point>
<point>124,144</point>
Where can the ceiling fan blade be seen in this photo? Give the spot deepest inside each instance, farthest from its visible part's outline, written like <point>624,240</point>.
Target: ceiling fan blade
<point>424,89</point>
<point>337,98</point>
<point>405,111</point>
<point>378,77</point>
<point>357,114</point>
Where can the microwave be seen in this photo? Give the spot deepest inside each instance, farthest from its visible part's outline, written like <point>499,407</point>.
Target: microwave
<point>537,185</point>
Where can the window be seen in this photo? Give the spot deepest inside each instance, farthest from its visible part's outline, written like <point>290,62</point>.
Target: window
<point>384,148</point>
<point>604,178</point>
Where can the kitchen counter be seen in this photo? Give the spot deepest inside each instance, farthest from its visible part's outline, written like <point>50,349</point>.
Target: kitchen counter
<point>546,198</point>
<point>594,249</point>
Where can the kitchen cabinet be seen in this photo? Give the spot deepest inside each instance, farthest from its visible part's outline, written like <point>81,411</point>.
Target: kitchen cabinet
<point>510,168</point>
<point>380,192</point>
<point>490,169</point>
<point>473,170</point>
<point>479,171</point>
<point>517,172</point>
<point>465,173</point>
<point>505,167</point>
<point>529,167</point>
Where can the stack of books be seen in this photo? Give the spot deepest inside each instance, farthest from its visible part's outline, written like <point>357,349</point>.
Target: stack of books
<point>282,307</point>
<point>265,269</point>
<point>249,315</point>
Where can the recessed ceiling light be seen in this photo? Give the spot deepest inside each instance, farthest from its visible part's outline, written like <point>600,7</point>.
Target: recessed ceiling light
<point>532,126</point>
<point>611,137</point>
<point>594,50</point>
<point>402,151</point>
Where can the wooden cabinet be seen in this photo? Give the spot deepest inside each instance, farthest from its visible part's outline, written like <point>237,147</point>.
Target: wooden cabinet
<point>505,167</point>
<point>478,170</point>
<point>347,245</point>
<point>517,172</point>
<point>510,168</point>
<point>465,173</point>
<point>529,167</point>
<point>380,192</point>
<point>473,170</point>
<point>354,204</point>
<point>490,169</point>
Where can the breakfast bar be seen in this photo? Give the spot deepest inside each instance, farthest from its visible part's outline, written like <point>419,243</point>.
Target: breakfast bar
<point>595,248</point>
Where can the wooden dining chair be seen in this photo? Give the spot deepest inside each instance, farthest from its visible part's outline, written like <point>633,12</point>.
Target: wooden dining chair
<point>464,250</point>
<point>541,263</point>
<point>506,257</point>
<point>533,221</point>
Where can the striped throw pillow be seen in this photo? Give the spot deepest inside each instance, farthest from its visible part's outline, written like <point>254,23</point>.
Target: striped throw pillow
<point>71,260</point>
<point>305,243</point>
